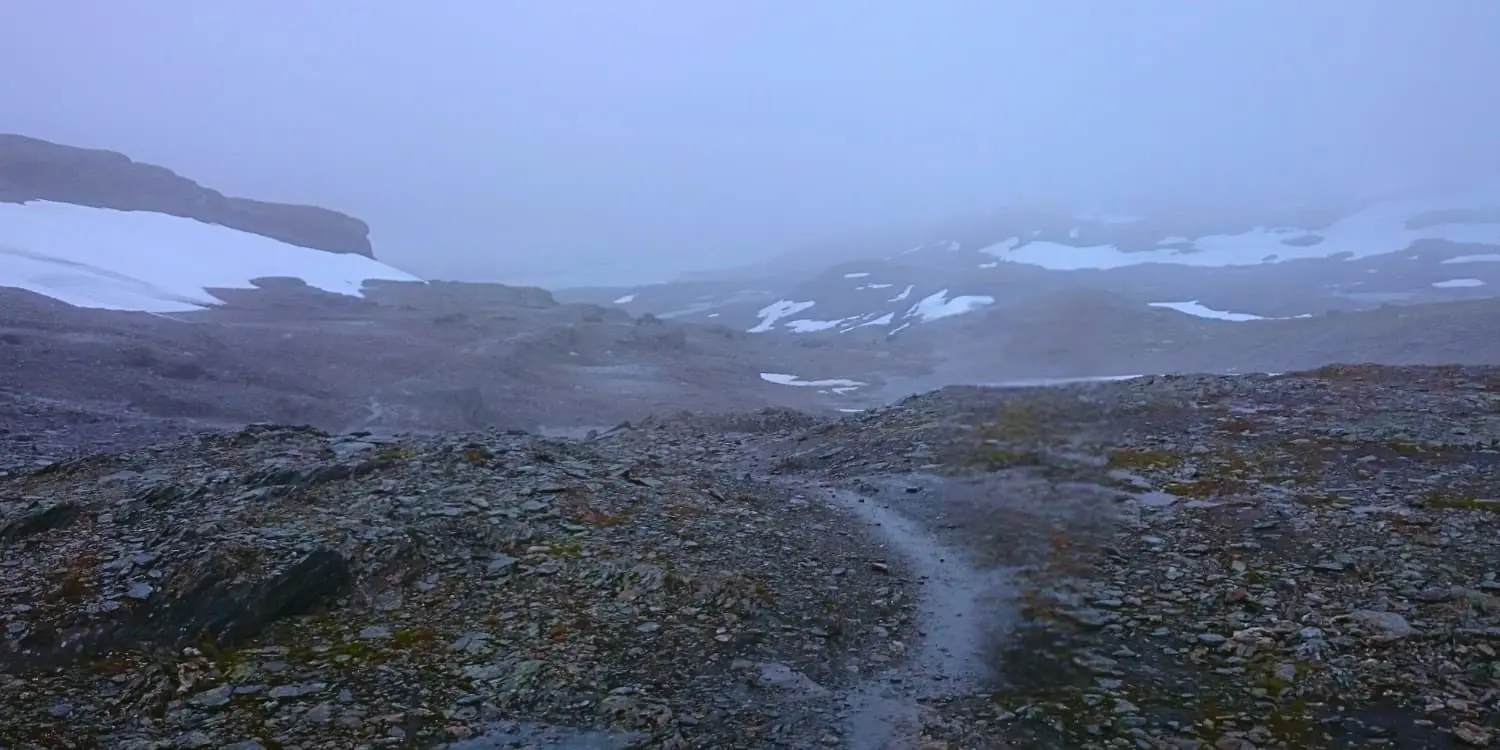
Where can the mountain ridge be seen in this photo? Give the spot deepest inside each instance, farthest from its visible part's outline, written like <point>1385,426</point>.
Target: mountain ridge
<point>33,169</point>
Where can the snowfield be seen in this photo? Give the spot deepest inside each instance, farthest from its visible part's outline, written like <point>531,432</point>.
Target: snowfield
<point>151,262</point>
<point>1384,227</point>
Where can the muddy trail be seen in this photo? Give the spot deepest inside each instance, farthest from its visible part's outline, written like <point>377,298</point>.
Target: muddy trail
<point>968,541</point>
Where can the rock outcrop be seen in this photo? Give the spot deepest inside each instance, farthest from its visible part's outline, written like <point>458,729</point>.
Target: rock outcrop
<point>34,169</point>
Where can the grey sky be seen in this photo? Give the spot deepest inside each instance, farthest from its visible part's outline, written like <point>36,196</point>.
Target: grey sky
<point>516,141</point>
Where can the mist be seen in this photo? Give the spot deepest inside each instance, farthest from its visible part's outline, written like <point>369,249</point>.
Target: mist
<point>572,143</point>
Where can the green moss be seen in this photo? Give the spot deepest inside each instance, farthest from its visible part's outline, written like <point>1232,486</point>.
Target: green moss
<point>570,549</point>
<point>1020,422</point>
<point>1143,459</point>
<point>995,458</point>
<point>1316,498</point>
<point>1208,487</point>
<point>355,650</point>
<point>1404,447</point>
<point>395,453</point>
<point>1236,425</point>
<point>410,637</point>
<point>1442,501</point>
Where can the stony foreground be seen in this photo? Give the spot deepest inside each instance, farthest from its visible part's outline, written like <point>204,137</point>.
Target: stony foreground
<point>283,588</point>
<point>1295,561</point>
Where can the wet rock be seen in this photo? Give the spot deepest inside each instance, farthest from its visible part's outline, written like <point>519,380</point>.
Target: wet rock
<point>39,520</point>
<point>1384,624</point>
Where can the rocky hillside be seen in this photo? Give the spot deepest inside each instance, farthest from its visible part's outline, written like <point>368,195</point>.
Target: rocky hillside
<point>33,169</point>
<point>1235,562</point>
<point>442,356</point>
<point>406,356</point>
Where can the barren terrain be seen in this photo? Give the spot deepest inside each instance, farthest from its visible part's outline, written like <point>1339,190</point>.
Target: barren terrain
<point>1305,560</point>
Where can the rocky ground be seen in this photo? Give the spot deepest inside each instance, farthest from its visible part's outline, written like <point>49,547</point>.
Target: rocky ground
<point>1295,561</point>
<point>279,587</point>
<point>406,357</point>
<point>1234,562</point>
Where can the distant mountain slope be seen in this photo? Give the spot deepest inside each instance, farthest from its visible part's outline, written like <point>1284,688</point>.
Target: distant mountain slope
<point>1359,257</point>
<point>32,169</point>
<point>1088,334</point>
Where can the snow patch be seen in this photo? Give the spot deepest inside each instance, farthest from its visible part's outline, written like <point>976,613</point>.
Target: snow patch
<point>862,287</point>
<point>859,275</point>
<point>150,262</point>
<point>1458,283</point>
<point>904,293</point>
<point>1201,311</point>
<point>1481,258</point>
<point>776,311</point>
<point>627,299</point>
<point>837,385</point>
<point>936,305</point>
<point>1000,249</point>
<point>883,320</point>
<point>812,326</point>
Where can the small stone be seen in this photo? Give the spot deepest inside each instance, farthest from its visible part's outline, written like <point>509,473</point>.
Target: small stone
<point>1386,624</point>
<point>213,697</point>
<point>500,564</point>
<point>294,691</point>
<point>1473,734</point>
<point>194,740</point>
<point>319,714</point>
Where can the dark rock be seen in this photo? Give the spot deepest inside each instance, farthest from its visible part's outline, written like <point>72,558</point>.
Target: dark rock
<point>207,604</point>
<point>39,521</point>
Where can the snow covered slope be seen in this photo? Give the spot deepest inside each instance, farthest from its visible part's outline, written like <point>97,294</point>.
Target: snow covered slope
<point>1381,227</point>
<point>151,262</point>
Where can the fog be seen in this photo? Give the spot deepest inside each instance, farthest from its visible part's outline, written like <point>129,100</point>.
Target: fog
<point>589,142</point>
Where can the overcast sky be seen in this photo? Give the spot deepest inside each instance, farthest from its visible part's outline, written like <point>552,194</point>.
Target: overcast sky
<point>586,140</point>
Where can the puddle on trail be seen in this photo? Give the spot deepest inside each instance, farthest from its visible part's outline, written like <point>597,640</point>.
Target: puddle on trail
<point>963,612</point>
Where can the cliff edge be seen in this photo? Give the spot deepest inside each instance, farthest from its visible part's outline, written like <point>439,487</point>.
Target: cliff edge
<point>34,169</point>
